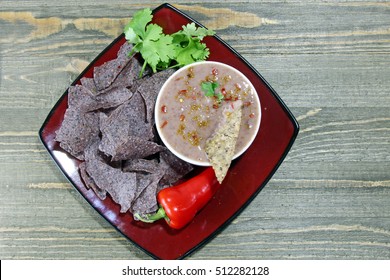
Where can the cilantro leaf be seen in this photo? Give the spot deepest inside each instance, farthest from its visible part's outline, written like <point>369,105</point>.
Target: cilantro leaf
<point>187,43</point>
<point>193,52</point>
<point>196,33</point>
<point>219,97</point>
<point>156,47</point>
<point>138,24</point>
<point>209,88</point>
<point>131,36</point>
<point>209,91</point>
<point>149,40</point>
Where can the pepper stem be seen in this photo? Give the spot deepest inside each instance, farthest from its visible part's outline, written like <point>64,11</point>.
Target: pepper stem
<point>150,218</point>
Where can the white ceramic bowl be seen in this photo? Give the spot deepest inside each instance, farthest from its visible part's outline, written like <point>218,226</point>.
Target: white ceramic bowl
<point>172,79</point>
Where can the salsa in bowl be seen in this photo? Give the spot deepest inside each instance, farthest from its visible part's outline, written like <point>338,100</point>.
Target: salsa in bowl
<point>194,102</point>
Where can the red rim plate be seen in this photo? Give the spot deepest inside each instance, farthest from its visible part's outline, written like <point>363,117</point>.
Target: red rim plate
<point>246,177</point>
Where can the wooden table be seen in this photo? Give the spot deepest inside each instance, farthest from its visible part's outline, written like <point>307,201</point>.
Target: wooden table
<point>329,62</point>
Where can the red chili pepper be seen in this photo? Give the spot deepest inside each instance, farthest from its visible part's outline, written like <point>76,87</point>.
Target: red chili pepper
<point>179,204</point>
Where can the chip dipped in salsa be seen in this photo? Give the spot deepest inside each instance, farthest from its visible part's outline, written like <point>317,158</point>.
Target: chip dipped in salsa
<point>190,106</point>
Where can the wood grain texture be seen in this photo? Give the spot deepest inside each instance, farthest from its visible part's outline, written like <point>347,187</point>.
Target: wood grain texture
<point>329,62</point>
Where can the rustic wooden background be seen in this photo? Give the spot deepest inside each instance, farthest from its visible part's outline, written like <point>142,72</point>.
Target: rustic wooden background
<point>329,61</point>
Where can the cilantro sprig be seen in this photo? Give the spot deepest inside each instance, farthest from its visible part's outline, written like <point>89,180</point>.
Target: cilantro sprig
<point>161,51</point>
<point>209,90</point>
<point>188,45</point>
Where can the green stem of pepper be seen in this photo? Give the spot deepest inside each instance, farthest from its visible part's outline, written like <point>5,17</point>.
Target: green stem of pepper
<point>150,218</point>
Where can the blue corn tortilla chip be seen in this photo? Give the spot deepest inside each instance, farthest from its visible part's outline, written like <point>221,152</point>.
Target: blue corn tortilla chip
<point>105,74</point>
<point>77,130</point>
<point>89,83</point>
<point>128,77</point>
<point>90,183</point>
<point>126,134</point>
<point>142,165</point>
<point>121,186</point>
<point>174,168</point>
<point>83,99</point>
<point>132,147</point>
<point>149,88</point>
<point>146,201</point>
<point>128,119</point>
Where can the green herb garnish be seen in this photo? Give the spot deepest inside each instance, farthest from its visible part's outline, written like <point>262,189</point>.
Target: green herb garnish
<point>161,51</point>
<point>219,97</point>
<point>209,90</point>
<point>155,47</point>
<point>188,44</point>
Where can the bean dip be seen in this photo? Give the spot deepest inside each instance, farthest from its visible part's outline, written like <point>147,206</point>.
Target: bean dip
<point>190,104</point>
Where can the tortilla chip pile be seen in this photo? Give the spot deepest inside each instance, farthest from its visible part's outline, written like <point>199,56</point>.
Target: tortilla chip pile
<point>109,127</point>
